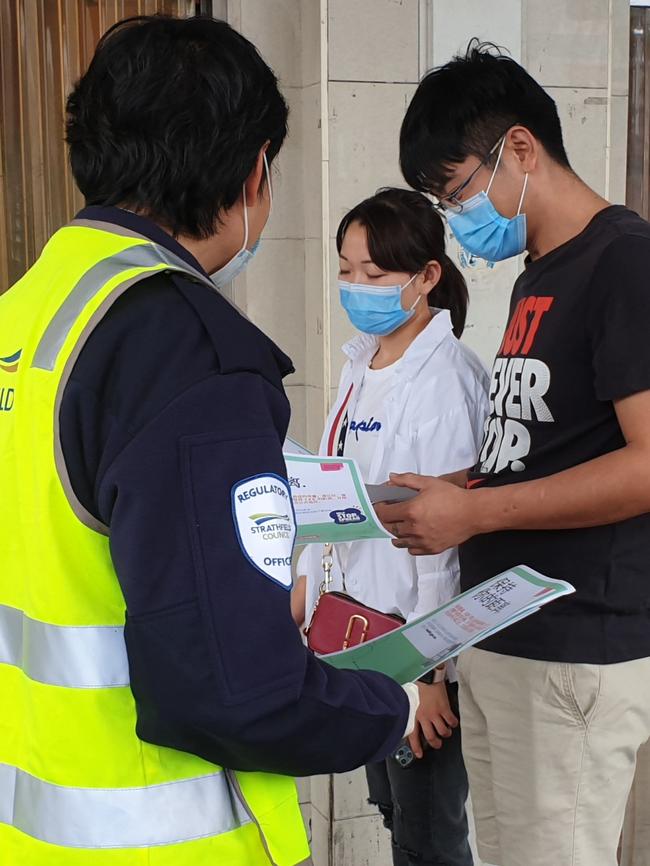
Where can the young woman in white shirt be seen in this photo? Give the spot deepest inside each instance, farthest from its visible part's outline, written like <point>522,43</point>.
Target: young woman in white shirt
<point>412,398</point>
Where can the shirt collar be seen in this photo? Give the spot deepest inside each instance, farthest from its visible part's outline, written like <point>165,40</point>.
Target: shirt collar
<point>142,226</point>
<point>364,346</point>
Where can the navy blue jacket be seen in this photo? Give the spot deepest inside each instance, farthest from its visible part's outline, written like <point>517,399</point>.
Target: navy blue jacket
<point>174,399</point>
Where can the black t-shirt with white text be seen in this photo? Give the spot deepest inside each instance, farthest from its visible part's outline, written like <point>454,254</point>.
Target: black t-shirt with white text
<point>577,340</point>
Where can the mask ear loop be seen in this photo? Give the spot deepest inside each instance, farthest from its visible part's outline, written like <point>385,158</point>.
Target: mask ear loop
<point>245,244</point>
<point>243,188</point>
<point>417,300</point>
<point>489,186</point>
<point>523,193</point>
<point>268,180</point>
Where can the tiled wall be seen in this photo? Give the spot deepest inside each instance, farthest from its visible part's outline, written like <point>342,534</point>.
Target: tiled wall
<point>348,69</point>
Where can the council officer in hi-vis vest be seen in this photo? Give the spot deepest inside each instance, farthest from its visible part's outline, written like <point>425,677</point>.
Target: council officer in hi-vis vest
<point>156,695</point>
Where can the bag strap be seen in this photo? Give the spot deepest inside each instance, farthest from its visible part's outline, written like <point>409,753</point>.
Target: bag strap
<point>327,562</point>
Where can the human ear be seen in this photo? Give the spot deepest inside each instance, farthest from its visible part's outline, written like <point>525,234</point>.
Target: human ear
<point>525,147</point>
<point>430,277</point>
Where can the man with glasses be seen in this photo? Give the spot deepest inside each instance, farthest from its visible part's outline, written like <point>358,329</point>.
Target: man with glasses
<point>556,707</point>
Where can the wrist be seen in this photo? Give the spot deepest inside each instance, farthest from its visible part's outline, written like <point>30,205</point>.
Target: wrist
<point>435,675</point>
<point>484,513</point>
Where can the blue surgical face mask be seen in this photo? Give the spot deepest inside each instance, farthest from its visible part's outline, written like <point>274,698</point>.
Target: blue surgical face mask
<point>240,261</point>
<point>482,231</point>
<point>375,309</point>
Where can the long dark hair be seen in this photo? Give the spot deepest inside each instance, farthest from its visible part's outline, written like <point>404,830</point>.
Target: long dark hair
<point>404,233</point>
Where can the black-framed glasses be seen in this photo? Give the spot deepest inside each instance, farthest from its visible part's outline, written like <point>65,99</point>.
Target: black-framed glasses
<point>451,200</point>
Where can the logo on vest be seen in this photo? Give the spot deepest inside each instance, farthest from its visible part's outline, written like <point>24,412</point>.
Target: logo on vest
<point>261,519</point>
<point>8,364</point>
<point>265,525</point>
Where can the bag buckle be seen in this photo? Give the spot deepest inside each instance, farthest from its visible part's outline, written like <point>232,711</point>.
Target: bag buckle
<point>365,625</point>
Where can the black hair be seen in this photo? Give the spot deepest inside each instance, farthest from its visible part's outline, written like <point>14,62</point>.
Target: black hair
<point>405,232</point>
<point>464,107</point>
<point>169,120</point>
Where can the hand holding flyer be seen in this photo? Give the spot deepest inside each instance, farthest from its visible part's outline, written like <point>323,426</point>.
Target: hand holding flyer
<point>330,500</point>
<point>414,649</point>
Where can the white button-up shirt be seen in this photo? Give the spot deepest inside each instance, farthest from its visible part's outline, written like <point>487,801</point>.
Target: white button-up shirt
<point>430,421</point>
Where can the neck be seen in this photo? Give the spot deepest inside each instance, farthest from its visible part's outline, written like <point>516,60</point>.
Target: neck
<point>392,346</point>
<point>211,253</point>
<point>218,249</point>
<point>208,253</point>
<point>563,215</point>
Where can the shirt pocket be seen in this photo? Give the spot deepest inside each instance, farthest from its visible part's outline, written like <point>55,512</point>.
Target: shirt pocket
<point>400,453</point>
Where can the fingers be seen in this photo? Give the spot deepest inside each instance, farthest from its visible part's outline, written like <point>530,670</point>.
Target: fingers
<point>390,513</point>
<point>405,541</point>
<point>430,734</point>
<point>415,743</point>
<point>414,546</point>
<point>450,718</point>
<point>407,479</point>
<point>441,726</point>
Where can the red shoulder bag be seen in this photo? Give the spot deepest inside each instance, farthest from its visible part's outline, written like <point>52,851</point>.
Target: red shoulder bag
<point>340,621</point>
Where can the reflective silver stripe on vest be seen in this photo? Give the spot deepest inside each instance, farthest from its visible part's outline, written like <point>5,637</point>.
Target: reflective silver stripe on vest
<point>79,657</point>
<point>118,817</point>
<point>93,281</point>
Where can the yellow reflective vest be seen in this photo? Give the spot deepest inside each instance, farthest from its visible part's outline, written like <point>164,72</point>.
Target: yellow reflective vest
<point>77,786</point>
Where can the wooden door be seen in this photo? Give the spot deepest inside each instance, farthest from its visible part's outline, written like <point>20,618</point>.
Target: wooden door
<point>638,135</point>
<point>45,45</point>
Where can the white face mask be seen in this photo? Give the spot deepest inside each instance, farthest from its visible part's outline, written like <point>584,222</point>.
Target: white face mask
<point>226,274</point>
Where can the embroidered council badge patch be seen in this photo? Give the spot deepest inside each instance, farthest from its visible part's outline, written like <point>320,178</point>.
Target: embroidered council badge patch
<point>264,519</point>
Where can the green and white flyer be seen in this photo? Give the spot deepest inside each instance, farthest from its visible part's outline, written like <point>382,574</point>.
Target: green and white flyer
<point>330,500</point>
<point>414,649</point>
